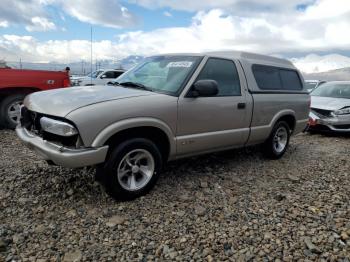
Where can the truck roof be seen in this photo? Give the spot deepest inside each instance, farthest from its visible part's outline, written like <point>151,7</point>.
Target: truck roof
<point>251,58</point>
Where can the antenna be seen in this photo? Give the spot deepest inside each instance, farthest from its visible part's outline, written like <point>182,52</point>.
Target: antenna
<point>91,54</point>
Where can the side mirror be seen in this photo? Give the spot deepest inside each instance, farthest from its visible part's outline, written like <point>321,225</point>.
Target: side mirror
<point>204,88</point>
<point>103,76</point>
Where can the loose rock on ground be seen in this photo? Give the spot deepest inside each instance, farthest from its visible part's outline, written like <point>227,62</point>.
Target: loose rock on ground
<point>234,206</point>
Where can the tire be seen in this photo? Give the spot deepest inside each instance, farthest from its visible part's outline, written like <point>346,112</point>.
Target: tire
<point>122,176</point>
<point>10,105</point>
<point>277,143</point>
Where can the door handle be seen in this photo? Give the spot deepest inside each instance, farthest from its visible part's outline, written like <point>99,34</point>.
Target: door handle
<point>241,106</point>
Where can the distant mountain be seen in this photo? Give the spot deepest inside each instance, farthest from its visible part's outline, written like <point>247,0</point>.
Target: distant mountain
<point>332,75</point>
<point>130,61</point>
<point>313,66</point>
<point>82,67</point>
<point>315,63</point>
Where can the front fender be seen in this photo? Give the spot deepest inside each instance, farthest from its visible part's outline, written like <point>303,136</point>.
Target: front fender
<point>114,128</point>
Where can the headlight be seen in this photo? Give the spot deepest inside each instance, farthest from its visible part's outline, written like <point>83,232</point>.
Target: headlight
<point>343,111</point>
<point>57,127</point>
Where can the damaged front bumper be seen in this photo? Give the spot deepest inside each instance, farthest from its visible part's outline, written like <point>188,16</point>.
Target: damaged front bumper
<point>336,123</point>
<point>60,155</point>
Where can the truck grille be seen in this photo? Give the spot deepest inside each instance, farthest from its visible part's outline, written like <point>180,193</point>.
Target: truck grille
<point>31,121</point>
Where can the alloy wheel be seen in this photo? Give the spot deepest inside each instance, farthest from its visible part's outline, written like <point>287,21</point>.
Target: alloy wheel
<point>280,139</point>
<point>136,169</point>
<point>14,112</point>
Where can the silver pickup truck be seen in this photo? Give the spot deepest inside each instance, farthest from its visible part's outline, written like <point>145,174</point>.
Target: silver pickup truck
<point>167,107</point>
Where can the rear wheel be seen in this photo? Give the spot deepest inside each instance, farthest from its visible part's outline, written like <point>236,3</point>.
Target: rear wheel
<point>10,110</point>
<point>277,144</point>
<point>132,169</point>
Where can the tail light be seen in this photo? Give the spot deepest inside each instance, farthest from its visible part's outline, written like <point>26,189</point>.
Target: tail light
<point>66,82</point>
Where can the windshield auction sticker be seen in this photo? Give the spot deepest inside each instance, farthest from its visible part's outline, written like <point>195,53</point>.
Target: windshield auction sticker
<point>185,64</point>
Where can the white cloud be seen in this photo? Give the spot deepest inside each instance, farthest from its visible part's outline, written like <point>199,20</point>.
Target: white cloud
<point>30,13</point>
<point>108,13</point>
<point>168,14</point>
<point>4,23</point>
<point>28,48</point>
<point>34,16</point>
<point>288,31</point>
<point>234,5</point>
<point>217,29</point>
<point>327,9</point>
<point>40,24</point>
<point>336,33</point>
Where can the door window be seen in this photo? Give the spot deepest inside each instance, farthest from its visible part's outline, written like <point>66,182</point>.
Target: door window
<point>224,72</point>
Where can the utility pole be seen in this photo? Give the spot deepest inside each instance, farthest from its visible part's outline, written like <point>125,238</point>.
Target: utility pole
<point>91,53</point>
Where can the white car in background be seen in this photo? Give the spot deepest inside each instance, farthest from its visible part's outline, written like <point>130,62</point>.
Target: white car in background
<point>330,107</point>
<point>313,84</point>
<point>98,77</point>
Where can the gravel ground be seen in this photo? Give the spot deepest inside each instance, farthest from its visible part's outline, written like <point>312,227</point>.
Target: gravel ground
<point>234,206</point>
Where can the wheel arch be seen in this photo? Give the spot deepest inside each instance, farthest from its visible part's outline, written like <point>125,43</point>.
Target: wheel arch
<point>290,120</point>
<point>153,129</point>
<point>286,115</point>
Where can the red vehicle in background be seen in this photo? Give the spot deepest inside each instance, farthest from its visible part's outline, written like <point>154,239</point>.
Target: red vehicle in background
<point>15,84</point>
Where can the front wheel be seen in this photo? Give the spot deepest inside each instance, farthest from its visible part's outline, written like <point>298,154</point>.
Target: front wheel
<point>10,110</point>
<point>277,144</point>
<point>132,169</point>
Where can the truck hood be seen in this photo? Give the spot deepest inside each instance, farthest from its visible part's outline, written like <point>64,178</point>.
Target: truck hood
<point>329,103</point>
<point>60,102</point>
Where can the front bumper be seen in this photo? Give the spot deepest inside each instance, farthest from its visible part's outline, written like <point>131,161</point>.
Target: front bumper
<point>60,155</point>
<point>336,124</point>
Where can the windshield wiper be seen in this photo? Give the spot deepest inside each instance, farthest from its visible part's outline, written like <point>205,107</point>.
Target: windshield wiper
<point>135,85</point>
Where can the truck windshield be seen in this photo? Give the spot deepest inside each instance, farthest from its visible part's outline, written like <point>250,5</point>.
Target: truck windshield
<point>165,74</point>
<point>335,90</point>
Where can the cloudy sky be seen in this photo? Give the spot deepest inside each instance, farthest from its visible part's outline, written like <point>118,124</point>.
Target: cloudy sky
<point>59,30</point>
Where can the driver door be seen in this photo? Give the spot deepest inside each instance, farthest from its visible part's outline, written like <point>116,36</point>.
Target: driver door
<point>208,124</point>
